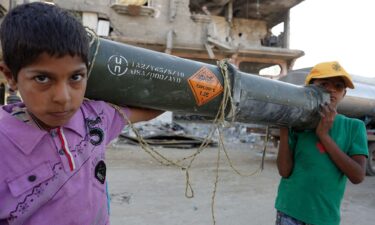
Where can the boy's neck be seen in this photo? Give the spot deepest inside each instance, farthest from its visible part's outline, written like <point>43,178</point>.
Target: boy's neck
<point>39,123</point>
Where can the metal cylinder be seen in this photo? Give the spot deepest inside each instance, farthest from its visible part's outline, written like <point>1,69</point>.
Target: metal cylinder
<point>265,101</point>
<point>128,75</point>
<point>357,103</point>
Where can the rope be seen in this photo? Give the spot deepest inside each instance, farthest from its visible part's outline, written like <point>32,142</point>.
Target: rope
<point>224,69</point>
<point>220,120</point>
<point>94,39</point>
<point>145,146</point>
<point>218,123</point>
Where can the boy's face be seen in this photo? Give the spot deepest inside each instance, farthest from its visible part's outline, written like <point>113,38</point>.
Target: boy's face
<point>335,86</point>
<point>52,88</point>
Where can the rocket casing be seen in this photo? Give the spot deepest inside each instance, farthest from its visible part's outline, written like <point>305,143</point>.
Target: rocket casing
<point>358,102</point>
<point>128,75</point>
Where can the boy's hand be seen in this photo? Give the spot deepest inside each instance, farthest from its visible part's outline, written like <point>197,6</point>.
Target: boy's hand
<point>328,114</point>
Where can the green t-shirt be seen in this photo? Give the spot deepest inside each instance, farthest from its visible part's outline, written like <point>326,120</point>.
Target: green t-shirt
<point>314,190</point>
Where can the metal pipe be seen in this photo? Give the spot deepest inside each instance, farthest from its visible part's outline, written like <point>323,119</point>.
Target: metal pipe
<point>357,103</point>
<point>265,101</point>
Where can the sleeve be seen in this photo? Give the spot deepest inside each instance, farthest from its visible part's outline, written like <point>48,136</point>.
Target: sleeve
<point>113,121</point>
<point>359,140</point>
<point>116,120</point>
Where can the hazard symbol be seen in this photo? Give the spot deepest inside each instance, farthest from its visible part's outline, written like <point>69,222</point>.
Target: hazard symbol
<point>205,86</point>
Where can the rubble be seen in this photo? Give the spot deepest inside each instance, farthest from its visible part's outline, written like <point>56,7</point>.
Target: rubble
<point>189,134</point>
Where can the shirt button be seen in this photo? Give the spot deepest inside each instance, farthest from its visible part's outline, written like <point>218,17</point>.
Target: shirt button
<point>32,178</point>
<point>61,152</point>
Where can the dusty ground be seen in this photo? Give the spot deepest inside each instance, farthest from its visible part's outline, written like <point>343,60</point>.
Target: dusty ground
<point>144,192</point>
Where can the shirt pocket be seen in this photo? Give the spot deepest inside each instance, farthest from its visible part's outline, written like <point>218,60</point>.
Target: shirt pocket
<point>19,184</point>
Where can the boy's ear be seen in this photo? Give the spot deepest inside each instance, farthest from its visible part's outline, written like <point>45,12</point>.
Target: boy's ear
<point>8,75</point>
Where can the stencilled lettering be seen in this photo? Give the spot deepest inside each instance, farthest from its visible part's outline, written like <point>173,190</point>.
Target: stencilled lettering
<point>118,65</point>
<point>155,72</point>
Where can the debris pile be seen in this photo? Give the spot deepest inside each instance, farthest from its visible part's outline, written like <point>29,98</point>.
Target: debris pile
<point>188,135</point>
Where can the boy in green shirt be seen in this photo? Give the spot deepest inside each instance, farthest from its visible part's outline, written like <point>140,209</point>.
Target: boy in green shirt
<point>315,164</point>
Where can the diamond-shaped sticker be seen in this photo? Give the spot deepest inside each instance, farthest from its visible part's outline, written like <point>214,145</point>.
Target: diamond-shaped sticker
<point>205,86</point>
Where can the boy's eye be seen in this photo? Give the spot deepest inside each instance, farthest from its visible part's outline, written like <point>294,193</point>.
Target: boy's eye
<point>41,79</point>
<point>339,86</point>
<point>323,84</point>
<point>77,77</point>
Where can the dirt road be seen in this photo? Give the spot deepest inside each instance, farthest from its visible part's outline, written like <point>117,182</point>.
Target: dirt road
<point>144,192</point>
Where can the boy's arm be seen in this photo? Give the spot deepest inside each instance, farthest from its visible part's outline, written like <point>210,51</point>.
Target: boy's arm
<point>284,155</point>
<point>140,114</point>
<point>353,167</point>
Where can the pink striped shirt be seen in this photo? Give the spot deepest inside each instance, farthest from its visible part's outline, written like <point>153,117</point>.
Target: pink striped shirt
<point>57,176</point>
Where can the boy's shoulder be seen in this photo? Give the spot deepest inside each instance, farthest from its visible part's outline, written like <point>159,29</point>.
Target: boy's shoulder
<point>94,110</point>
<point>5,113</point>
<point>344,119</point>
<point>100,117</point>
<point>15,132</point>
<point>93,106</point>
<point>96,107</point>
<point>348,123</point>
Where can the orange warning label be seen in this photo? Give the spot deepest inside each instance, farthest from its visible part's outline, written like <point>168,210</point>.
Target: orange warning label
<point>205,86</point>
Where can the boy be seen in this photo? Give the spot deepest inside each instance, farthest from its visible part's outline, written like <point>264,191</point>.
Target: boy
<point>315,164</point>
<point>52,147</point>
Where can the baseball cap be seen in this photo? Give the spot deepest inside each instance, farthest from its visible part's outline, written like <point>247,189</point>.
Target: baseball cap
<point>327,70</point>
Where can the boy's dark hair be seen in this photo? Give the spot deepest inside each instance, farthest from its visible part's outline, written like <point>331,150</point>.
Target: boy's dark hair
<point>29,30</point>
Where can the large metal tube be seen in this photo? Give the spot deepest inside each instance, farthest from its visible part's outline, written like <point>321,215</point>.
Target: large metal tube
<point>358,102</point>
<point>128,75</point>
<point>265,101</point>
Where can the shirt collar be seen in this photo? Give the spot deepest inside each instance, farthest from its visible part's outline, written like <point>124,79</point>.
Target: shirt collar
<point>77,123</point>
<point>25,136</point>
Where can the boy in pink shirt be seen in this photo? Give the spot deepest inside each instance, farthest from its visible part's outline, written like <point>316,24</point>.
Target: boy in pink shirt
<point>52,164</point>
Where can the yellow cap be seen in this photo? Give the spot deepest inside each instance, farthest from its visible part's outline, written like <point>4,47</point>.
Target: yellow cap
<point>327,70</point>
